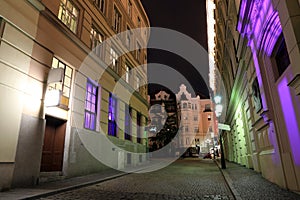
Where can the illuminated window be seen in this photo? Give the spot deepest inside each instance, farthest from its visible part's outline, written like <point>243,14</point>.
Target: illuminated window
<point>112,115</point>
<point>100,5</point>
<point>114,62</point>
<point>138,82</point>
<point>128,73</point>
<point>68,14</point>
<point>128,37</point>
<point>128,123</point>
<point>96,39</point>
<point>65,86</point>
<point>91,99</point>
<point>117,20</point>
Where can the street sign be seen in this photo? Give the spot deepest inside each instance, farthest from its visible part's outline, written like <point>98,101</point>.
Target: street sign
<point>224,127</point>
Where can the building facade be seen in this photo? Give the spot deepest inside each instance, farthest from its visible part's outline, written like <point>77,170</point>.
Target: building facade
<point>60,81</point>
<point>257,54</point>
<point>197,126</point>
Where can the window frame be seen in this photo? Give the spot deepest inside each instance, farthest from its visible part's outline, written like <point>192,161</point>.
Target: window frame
<point>139,22</point>
<point>128,73</point>
<point>128,123</point>
<point>100,5</point>
<point>67,70</point>
<point>138,82</point>
<point>129,8</point>
<point>138,127</point>
<point>117,19</point>
<point>96,48</point>
<point>91,125</point>
<point>280,66</point>
<point>112,128</point>
<point>128,39</point>
<point>65,14</point>
<point>114,59</point>
<point>138,52</point>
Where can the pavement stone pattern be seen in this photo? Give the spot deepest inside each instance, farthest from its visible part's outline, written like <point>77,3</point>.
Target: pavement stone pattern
<point>185,179</point>
<point>251,185</point>
<point>191,178</point>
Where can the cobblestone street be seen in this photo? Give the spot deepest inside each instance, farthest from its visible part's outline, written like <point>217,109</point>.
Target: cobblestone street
<point>184,179</point>
<point>190,178</point>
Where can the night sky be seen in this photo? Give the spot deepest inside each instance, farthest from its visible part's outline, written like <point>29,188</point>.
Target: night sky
<point>187,17</point>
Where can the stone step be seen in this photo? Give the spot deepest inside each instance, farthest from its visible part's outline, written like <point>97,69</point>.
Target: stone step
<point>46,177</point>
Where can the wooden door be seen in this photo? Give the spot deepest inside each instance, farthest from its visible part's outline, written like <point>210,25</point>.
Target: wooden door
<point>53,148</point>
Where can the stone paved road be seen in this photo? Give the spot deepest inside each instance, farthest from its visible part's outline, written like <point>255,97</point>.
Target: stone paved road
<point>184,179</point>
<point>250,185</point>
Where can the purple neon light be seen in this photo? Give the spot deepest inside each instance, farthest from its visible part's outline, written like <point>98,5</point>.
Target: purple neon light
<point>242,13</point>
<point>263,27</point>
<point>290,119</point>
<point>260,36</point>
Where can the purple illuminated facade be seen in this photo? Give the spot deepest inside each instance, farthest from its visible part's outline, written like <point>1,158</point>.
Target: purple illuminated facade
<point>265,135</point>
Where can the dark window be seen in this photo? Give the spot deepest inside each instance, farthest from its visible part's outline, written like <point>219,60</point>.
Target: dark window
<point>256,95</point>
<point>128,123</point>
<point>138,51</point>
<point>117,20</point>
<point>100,5</point>
<point>138,127</point>
<point>139,22</point>
<point>282,57</point>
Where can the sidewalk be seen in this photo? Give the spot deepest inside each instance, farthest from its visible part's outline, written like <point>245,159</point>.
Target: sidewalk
<point>49,188</point>
<point>59,186</point>
<point>248,184</point>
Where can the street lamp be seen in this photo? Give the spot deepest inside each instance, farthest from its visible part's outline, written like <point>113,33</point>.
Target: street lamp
<point>211,129</point>
<point>219,108</point>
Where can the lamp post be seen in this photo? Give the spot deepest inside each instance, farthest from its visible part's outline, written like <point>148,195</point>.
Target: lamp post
<point>212,134</point>
<point>207,142</point>
<point>219,109</point>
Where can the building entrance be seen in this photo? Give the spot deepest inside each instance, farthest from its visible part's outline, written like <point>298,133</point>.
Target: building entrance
<point>53,148</point>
